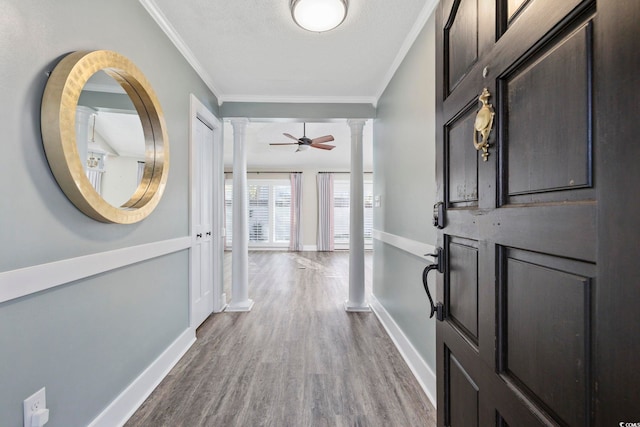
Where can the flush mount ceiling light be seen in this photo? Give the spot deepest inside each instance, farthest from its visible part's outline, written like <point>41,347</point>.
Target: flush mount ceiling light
<point>318,15</point>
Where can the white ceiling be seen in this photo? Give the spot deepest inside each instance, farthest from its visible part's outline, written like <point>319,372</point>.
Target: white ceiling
<point>122,132</point>
<point>251,50</point>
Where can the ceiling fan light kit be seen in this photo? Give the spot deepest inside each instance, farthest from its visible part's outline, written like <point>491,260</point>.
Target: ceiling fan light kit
<point>318,15</point>
<point>304,143</point>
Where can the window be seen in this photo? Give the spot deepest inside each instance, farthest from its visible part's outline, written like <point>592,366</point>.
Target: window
<point>341,202</point>
<point>228,212</point>
<point>341,212</point>
<point>269,212</point>
<point>282,213</point>
<point>258,217</point>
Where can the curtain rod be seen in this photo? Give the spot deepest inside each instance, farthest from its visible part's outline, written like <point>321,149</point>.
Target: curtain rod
<point>259,172</point>
<point>269,172</point>
<point>345,172</point>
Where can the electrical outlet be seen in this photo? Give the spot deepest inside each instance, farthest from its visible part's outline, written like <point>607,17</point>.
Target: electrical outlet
<point>36,406</point>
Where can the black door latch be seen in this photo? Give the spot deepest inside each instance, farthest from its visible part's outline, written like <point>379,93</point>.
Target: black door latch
<point>437,309</point>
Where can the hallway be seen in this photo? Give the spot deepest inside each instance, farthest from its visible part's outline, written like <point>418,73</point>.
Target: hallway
<point>297,359</point>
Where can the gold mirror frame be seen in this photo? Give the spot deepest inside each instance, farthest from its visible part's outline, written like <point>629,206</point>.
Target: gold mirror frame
<point>58,119</point>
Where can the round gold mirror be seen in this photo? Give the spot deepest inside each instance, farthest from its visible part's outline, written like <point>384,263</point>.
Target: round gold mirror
<point>82,107</point>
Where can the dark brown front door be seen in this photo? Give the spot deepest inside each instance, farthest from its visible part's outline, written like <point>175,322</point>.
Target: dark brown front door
<point>541,239</point>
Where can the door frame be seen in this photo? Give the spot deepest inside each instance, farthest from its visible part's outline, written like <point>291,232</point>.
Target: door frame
<point>198,111</point>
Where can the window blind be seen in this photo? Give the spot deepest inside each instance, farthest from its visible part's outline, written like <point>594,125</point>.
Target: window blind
<point>228,213</point>
<point>258,218</point>
<point>282,213</point>
<point>341,202</point>
<point>269,212</point>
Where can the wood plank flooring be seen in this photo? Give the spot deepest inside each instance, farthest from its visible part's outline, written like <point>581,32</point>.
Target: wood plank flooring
<point>297,359</point>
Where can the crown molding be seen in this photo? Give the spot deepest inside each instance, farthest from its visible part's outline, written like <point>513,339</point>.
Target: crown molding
<point>299,99</point>
<point>422,19</point>
<point>104,88</point>
<point>152,8</point>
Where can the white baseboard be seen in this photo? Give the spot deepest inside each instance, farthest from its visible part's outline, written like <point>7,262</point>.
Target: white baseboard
<point>310,248</point>
<point>123,406</point>
<point>423,373</point>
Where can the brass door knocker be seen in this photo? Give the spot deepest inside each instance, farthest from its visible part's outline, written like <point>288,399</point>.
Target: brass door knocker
<point>483,124</point>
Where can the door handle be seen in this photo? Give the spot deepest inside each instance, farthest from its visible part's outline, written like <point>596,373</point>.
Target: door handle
<point>438,308</point>
<point>208,233</point>
<point>199,235</point>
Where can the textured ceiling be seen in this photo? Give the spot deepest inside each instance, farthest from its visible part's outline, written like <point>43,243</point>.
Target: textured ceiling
<point>251,50</point>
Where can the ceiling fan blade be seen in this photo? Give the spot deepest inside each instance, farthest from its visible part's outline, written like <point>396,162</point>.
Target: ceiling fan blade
<point>283,143</point>
<point>323,146</point>
<point>322,139</point>
<point>290,136</point>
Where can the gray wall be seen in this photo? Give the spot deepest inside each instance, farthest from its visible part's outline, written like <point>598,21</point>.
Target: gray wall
<point>87,340</point>
<point>404,175</point>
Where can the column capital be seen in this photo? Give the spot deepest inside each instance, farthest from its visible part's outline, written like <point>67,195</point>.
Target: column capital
<point>239,123</point>
<point>356,124</point>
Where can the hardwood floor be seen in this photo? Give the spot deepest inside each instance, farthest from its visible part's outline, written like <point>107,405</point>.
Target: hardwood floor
<point>297,359</point>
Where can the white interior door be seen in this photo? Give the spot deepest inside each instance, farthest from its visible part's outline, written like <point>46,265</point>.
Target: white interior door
<point>202,229</point>
<point>207,214</point>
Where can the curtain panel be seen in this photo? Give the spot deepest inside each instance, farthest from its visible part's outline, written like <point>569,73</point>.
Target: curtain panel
<point>295,236</point>
<point>325,212</point>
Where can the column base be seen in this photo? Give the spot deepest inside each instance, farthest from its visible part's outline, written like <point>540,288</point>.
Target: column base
<point>356,308</point>
<point>241,306</point>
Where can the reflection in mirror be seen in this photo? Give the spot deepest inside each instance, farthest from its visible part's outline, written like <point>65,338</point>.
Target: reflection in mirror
<point>110,139</point>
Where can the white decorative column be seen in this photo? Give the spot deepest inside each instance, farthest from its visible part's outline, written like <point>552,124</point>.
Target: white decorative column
<point>240,244</point>
<point>356,301</point>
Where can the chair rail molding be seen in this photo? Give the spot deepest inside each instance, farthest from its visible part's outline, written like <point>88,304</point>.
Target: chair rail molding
<point>410,246</point>
<point>29,280</point>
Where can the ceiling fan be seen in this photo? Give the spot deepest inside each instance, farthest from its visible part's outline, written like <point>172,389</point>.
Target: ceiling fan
<point>304,143</point>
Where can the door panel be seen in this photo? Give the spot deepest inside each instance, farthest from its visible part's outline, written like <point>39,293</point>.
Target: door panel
<point>461,38</point>
<point>555,88</point>
<point>462,283</point>
<point>461,163</point>
<point>545,347</point>
<point>500,422</point>
<point>514,7</point>
<point>463,395</point>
